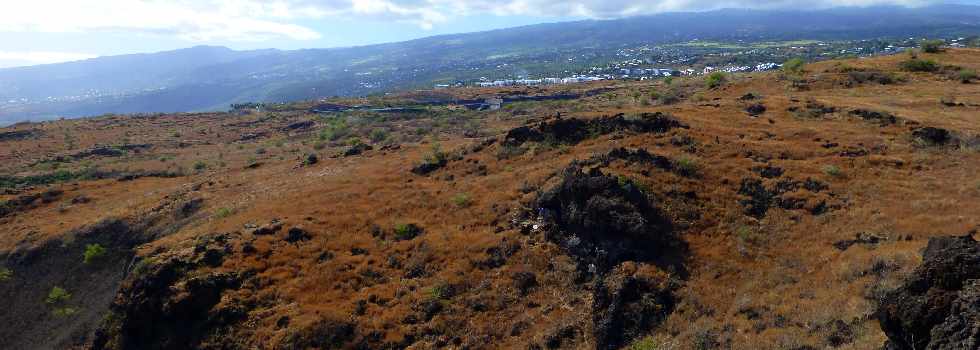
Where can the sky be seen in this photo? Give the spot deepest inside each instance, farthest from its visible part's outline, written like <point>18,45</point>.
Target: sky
<point>48,31</point>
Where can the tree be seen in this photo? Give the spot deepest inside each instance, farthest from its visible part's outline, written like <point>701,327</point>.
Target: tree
<point>715,79</point>
<point>794,67</point>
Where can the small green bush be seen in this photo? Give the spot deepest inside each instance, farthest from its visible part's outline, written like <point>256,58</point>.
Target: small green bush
<point>966,75</point>
<point>336,129</point>
<point>462,200</point>
<point>715,79</point>
<point>57,295</point>
<point>667,97</point>
<point>404,232</point>
<point>200,165</point>
<point>439,291</point>
<point>931,46</point>
<point>647,343</point>
<point>93,253</point>
<point>436,155</point>
<point>832,170</point>
<point>64,311</point>
<point>223,213</point>
<point>379,135</point>
<point>687,166</point>
<point>919,65</point>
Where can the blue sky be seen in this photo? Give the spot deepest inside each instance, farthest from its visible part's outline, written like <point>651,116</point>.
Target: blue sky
<point>47,31</point>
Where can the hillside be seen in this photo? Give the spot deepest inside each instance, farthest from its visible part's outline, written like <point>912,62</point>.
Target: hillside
<point>211,78</point>
<point>764,213</point>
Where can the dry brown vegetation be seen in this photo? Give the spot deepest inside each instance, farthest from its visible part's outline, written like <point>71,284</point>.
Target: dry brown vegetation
<point>360,251</point>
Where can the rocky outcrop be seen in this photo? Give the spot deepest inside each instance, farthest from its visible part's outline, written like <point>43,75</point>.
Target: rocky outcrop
<point>18,134</point>
<point>601,220</point>
<point>167,303</point>
<point>574,130</point>
<point>938,308</point>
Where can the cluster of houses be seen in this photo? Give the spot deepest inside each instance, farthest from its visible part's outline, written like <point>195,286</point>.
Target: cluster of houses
<point>544,81</point>
<point>647,72</point>
<point>737,69</point>
<point>623,73</point>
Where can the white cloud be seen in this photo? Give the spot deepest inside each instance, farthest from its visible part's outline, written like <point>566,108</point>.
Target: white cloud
<point>30,58</point>
<point>258,20</point>
<point>235,20</point>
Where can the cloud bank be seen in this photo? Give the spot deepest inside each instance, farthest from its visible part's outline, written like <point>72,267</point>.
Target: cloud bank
<point>258,20</point>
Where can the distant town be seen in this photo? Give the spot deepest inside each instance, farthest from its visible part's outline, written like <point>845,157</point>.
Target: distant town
<point>700,58</point>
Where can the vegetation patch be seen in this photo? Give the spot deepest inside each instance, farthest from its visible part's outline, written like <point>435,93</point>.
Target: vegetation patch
<point>93,253</point>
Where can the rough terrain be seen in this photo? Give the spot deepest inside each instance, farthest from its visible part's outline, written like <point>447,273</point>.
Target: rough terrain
<point>770,212</point>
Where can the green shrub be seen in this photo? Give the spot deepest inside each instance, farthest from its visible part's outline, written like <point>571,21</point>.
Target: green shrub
<point>919,65</point>
<point>931,46</point>
<point>436,155</point>
<point>668,80</point>
<point>687,166</point>
<point>439,291</point>
<point>5,274</point>
<point>223,213</point>
<point>200,165</point>
<point>64,311</point>
<point>668,97</point>
<point>647,343</point>
<point>93,253</point>
<point>336,129</point>
<point>462,200</point>
<point>404,232</point>
<point>57,295</point>
<point>379,135</point>
<point>832,170</point>
<point>966,75</point>
<point>715,79</point>
<point>698,97</point>
<point>627,184</point>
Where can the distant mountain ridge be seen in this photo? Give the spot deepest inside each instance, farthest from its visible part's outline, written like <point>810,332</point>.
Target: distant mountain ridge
<point>208,78</point>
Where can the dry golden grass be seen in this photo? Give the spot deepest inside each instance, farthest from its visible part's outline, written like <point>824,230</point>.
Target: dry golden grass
<point>775,282</point>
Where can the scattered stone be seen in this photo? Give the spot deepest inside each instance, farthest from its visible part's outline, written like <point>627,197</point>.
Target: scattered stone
<point>840,334</point>
<point>761,198</point>
<point>524,282</point>
<point>627,305</point>
<point>574,130</point>
<point>310,159</point>
<point>18,135</point>
<point>768,171</point>
<point>853,152</point>
<point>931,136</point>
<point>267,229</point>
<point>300,125</point>
<point>631,156</point>
<point>296,235</point>
<point>357,149</point>
<point>425,168</point>
<point>756,109</point>
<point>860,238</point>
<point>882,118</point>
